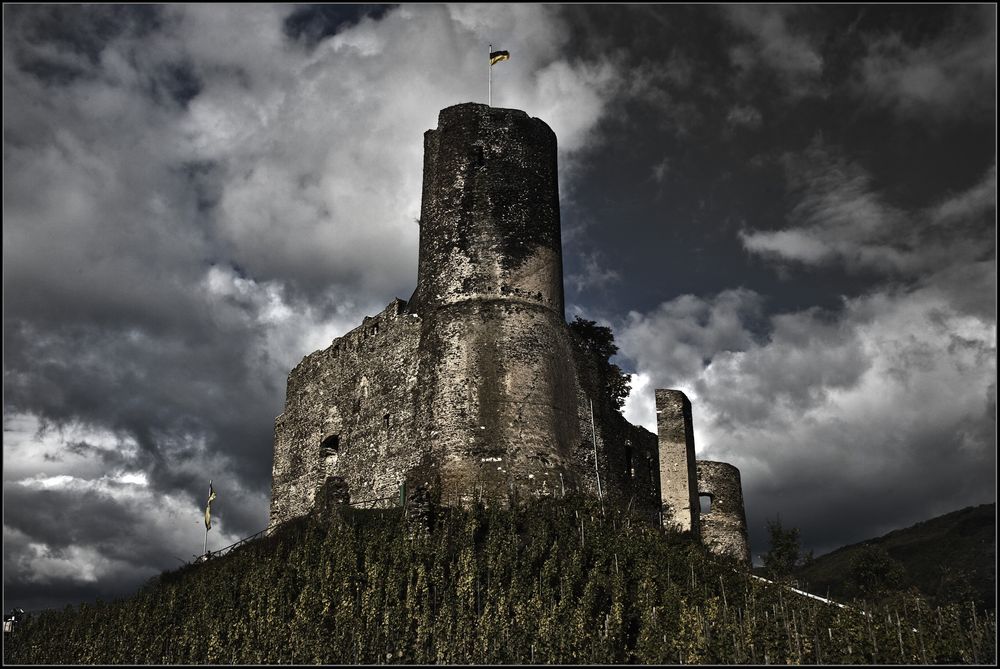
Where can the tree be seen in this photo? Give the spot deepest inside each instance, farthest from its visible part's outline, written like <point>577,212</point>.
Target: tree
<point>599,342</point>
<point>784,554</point>
<point>873,571</point>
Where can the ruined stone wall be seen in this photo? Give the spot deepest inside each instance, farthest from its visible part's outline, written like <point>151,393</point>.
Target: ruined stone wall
<point>678,473</point>
<point>724,528</point>
<point>626,454</point>
<point>350,412</point>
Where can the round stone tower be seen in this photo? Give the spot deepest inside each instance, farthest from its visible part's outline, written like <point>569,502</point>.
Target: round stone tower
<point>496,379</point>
<point>724,526</point>
<point>489,221</point>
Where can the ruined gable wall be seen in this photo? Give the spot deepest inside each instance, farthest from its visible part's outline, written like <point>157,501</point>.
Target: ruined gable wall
<point>678,472</point>
<point>627,455</point>
<point>348,390</point>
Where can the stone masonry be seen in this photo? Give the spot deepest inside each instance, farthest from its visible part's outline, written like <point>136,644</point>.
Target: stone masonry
<point>724,527</point>
<point>678,474</point>
<point>475,388</point>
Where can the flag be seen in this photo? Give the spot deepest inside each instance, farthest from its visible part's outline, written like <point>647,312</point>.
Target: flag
<point>497,56</point>
<point>208,507</point>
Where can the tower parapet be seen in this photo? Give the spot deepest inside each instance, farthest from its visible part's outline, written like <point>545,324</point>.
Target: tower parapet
<point>489,220</point>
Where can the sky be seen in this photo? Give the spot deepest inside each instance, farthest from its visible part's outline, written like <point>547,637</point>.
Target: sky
<point>788,212</point>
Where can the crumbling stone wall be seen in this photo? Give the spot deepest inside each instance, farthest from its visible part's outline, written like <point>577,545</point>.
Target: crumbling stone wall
<point>678,473</point>
<point>724,527</point>
<point>627,456</point>
<point>350,413</point>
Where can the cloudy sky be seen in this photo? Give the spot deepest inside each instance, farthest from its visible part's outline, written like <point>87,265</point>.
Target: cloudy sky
<point>787,212</point>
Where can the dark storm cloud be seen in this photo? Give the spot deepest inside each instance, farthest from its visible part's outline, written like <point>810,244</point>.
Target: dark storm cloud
<point>844,350</point>
<point>892,397</point>
<point>952,75</point>
<point>194,198</point>
<point>314,23</point>
<point>60,544</point>
<point>892,394</point>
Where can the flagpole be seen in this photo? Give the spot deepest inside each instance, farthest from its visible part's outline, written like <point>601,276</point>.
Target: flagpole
<point>490,65</point>
<point>206,524</point>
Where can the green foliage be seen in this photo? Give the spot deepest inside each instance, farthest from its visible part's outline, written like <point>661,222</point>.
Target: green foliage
<point>873,571</point>
<point>599,342</point>
<point>784,553</point>
<point>558,582</point>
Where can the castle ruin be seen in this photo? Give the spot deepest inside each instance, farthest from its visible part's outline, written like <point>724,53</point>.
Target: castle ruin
<point>476,388</point>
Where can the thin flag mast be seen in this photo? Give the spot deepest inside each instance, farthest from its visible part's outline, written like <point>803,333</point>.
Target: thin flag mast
<point>208,514</point>
<point>495,57</point>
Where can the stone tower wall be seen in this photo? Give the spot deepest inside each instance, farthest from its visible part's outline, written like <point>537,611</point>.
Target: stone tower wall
<point>497,388</point>
<point>678,472</point>
<point>496,373</point>
<point>362,390</point>
<point>724,528</point>
<point>489,218</point>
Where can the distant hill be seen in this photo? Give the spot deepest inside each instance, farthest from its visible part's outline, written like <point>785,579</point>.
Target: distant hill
<point>950,559</point>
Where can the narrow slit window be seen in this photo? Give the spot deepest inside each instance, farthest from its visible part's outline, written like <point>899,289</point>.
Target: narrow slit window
<point>385,421</point>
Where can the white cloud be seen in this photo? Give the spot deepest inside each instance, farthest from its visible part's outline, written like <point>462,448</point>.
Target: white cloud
<point>322,170</point>
<point>838,408</point>
<point>661,170</point>
<point>640,405</point>
<point>831,409</point>
<point>685,333</point>
<point>839,218</point>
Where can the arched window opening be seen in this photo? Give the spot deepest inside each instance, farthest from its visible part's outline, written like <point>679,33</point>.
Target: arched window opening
<point>330,445</point>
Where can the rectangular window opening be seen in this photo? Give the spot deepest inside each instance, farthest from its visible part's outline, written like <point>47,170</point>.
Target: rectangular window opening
<point>706,504</point>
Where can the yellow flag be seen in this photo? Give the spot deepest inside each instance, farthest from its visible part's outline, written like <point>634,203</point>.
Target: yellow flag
<point>208,507</point>
<point>497,56</point>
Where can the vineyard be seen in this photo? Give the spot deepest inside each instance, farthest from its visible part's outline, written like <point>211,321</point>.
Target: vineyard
<point>559,582</point>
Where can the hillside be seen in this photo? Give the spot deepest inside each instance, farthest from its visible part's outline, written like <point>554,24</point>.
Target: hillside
<point>950,559</point>
<point>558,582</point>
